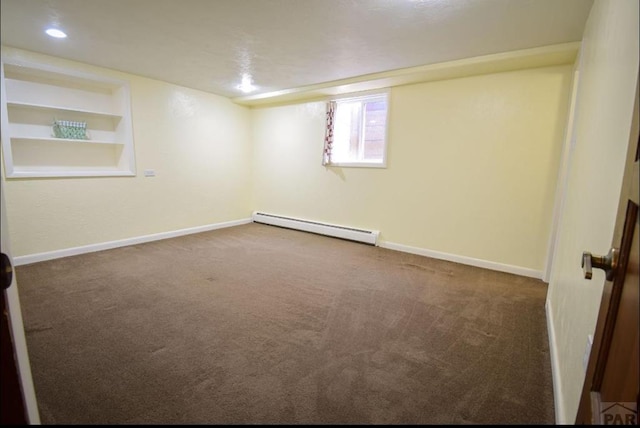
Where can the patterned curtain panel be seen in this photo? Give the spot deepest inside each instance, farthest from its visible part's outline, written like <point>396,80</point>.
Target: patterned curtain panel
<point>328,136</point>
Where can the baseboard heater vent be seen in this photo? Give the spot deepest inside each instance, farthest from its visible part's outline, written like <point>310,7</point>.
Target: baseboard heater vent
<point>353,234</point>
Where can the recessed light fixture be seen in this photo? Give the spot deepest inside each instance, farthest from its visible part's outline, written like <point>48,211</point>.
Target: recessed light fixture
<point>54,32</point>
<point>247,84</point>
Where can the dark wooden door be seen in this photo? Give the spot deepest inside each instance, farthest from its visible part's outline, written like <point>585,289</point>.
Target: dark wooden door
<point>610,393</point>
<point>13,408</point>
<point>12,402</point>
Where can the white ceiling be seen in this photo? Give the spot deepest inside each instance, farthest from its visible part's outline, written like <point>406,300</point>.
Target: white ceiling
<point>283,44</point>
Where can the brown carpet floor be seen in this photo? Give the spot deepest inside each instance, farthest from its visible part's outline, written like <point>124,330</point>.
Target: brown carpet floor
<point>261,325</point>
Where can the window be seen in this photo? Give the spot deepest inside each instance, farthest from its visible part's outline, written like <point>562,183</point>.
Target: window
<point>357,131</point>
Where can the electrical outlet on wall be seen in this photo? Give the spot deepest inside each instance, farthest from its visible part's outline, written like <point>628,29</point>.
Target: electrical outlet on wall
<point>587,352</point>
<point>149,172</point>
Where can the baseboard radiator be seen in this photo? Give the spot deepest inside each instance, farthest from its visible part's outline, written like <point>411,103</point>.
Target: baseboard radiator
<point>344,232</point>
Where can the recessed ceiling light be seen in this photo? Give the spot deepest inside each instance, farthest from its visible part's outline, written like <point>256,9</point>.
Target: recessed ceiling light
<point>54,32</point>
<point>247,84</point>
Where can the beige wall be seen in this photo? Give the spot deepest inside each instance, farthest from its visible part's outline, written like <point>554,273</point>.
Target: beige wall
<point>472,166</point>
<point>606,90</point>
<point>198,144</point>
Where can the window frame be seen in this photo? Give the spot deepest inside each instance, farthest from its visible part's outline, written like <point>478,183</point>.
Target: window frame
<point>354,96</point>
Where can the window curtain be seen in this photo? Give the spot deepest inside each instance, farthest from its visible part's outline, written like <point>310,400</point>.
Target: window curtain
<point>328,136</point>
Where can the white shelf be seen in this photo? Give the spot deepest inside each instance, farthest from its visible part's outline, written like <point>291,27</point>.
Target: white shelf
<point>34,125</point>
<point>31,173</point>
<point>33,95</point>
<point>17,104</point>
<point>64,140</point>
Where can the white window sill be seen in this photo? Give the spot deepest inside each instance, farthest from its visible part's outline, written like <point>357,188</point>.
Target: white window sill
<point>358,164</point>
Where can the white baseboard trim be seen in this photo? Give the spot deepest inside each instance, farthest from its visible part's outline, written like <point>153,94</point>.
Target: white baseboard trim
<point>321,228</point>
<point>561,417</point>
<point>517,270</point>
<point>56,254</point>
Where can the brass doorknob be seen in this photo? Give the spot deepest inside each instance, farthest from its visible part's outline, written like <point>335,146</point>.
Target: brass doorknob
<point>608,263</point>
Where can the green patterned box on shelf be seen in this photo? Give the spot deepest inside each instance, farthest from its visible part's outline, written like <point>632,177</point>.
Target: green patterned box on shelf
<point>70,129</point>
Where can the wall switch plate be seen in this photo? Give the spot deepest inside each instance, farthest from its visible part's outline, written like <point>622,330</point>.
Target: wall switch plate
<point>149,173</point>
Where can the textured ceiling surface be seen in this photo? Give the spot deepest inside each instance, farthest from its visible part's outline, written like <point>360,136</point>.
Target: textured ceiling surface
<point>283,44</point>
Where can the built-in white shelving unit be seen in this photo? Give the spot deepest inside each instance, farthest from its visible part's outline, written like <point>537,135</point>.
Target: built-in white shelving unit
<point>34,95</point>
